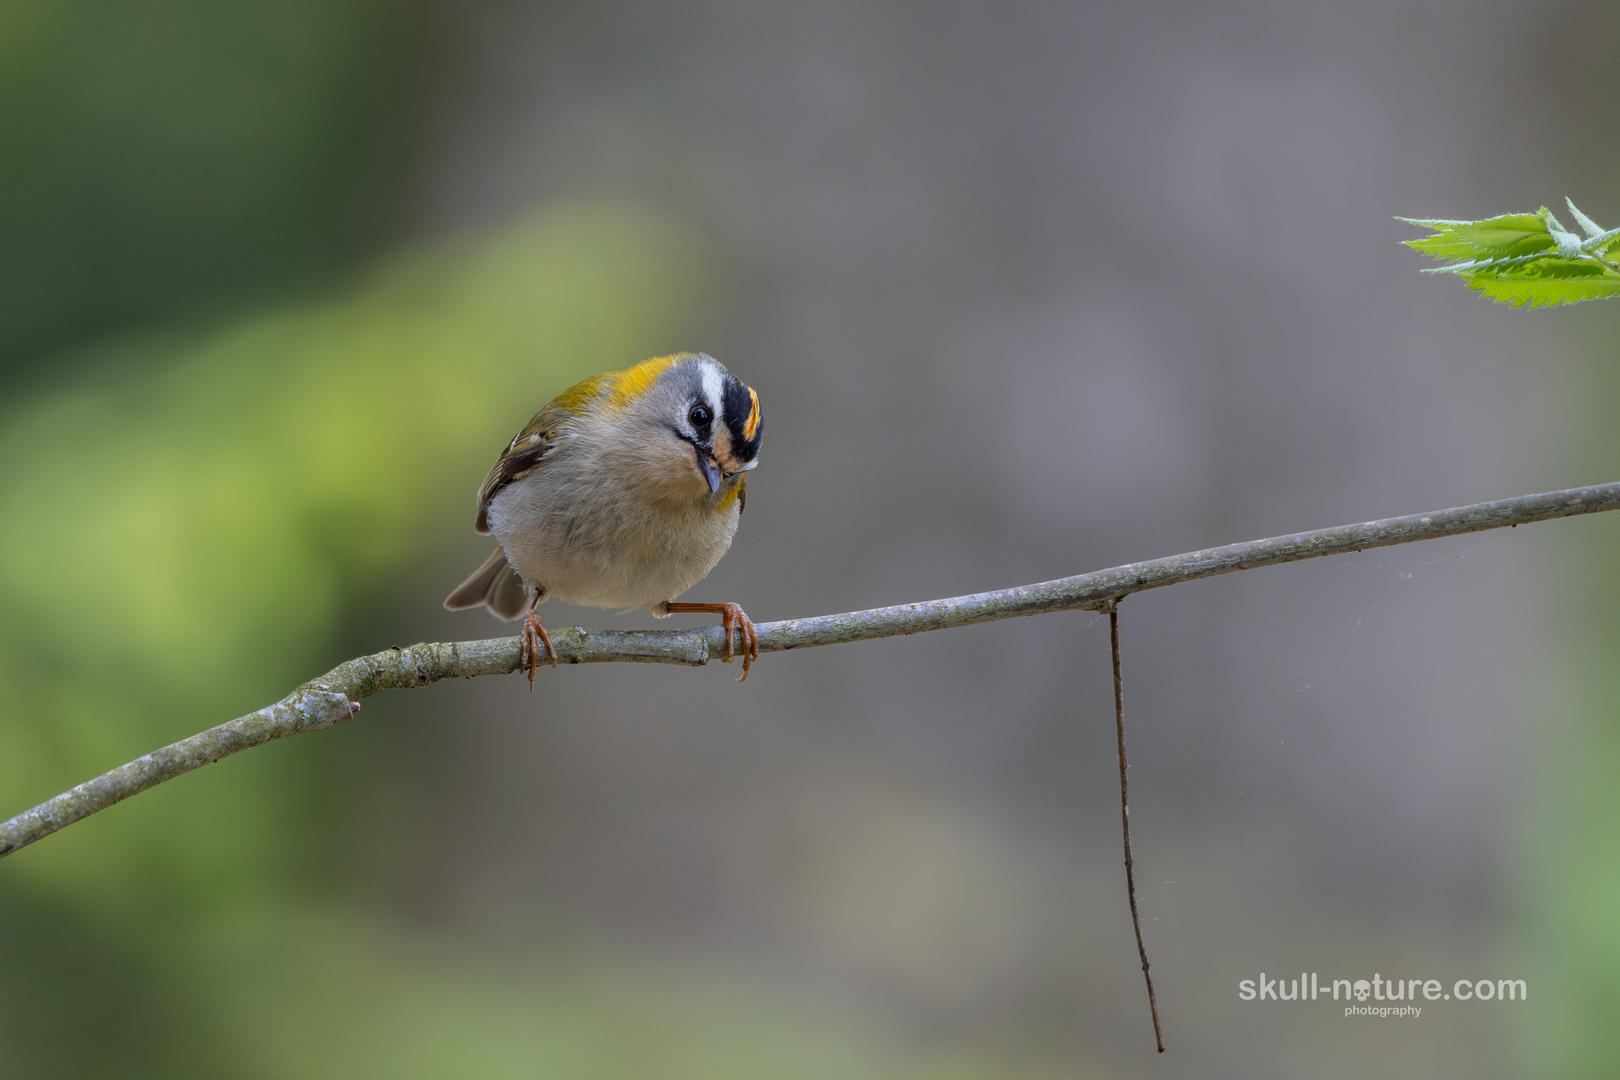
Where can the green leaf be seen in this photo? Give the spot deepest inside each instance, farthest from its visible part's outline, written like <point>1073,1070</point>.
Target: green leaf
<point>1544,292</point>
<point>1525,260</point>
<point>1547,282</point>
<point>1492,238</point>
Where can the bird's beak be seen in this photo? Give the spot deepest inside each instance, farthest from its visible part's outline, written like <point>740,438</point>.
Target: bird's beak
<point>710,471</point>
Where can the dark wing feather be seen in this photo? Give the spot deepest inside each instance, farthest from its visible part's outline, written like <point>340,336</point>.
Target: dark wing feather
<point>527,450</point>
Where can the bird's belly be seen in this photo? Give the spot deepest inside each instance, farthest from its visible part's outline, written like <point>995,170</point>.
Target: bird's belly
<point>628,557</point>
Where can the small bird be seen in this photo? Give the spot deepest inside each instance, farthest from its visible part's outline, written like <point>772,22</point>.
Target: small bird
<point>623,492</point>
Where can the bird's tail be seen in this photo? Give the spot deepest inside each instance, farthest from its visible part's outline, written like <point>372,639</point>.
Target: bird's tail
<point>495,585</point>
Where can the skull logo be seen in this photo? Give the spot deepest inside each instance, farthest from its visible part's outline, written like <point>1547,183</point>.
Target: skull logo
<point>1362,989</point>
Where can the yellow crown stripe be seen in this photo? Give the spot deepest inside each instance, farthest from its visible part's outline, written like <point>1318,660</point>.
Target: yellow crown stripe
<point>631,383</point>
<point>753,415</point>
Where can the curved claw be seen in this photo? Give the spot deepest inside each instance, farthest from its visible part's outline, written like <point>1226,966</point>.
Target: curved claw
<point>734,618</point>
<point>739,631</point>
<point>529,649</point>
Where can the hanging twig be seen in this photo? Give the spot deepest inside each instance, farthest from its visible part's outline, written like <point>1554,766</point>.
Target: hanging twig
<point>334,696</point>
<point>1125,815</point>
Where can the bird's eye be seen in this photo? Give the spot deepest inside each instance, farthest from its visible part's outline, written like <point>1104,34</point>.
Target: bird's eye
<point>700,416</point>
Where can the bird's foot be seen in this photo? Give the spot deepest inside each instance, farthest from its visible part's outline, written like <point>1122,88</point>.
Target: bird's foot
<point>736,622</point>
<point>529,651</point>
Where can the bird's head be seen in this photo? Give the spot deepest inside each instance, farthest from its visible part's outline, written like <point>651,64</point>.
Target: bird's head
<point>695,424</point>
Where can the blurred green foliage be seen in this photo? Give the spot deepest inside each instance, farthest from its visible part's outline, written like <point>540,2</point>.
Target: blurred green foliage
<point>181,526</point>
<point>1569,832</point>
<point>169,156</point>
<point>206,513</point>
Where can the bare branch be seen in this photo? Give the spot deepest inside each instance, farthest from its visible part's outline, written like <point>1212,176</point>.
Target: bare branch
<point>334,696</point>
